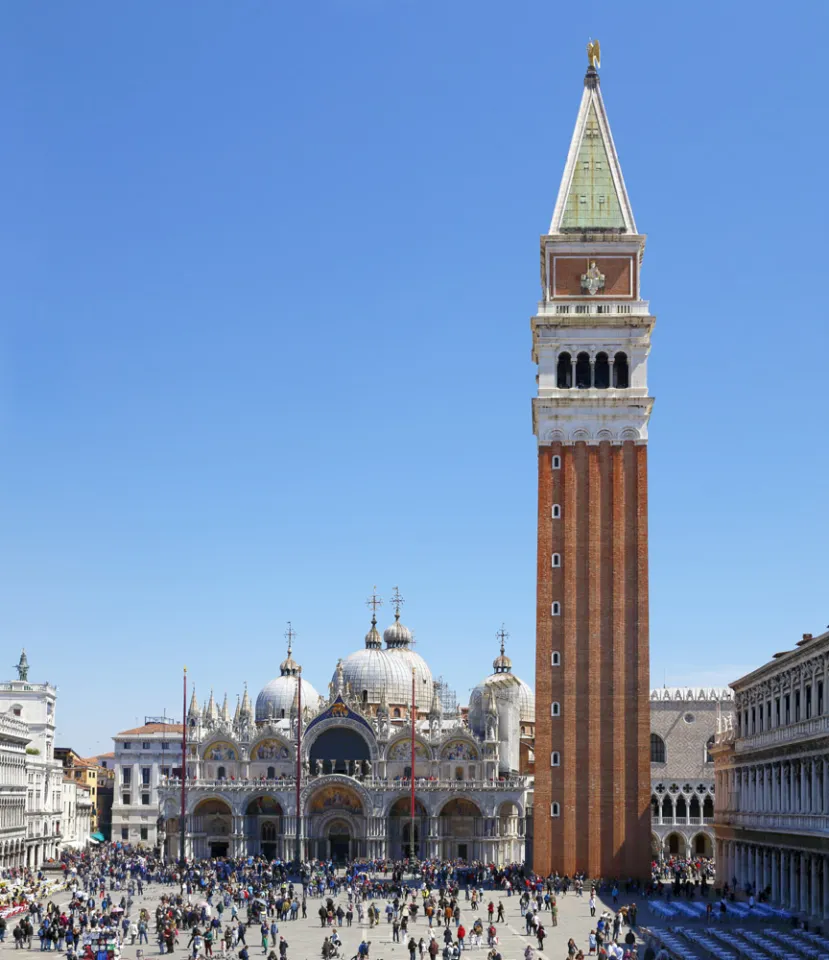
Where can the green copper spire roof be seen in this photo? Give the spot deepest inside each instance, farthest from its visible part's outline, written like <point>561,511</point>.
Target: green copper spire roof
<point>592,194</point>
<point>592,200</point>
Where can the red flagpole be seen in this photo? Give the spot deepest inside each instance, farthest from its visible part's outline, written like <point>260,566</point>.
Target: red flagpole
<point>183,771</point>
<point>298,765</point>
<point>414,716</point>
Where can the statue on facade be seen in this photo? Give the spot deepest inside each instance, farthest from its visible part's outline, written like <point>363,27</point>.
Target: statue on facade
<point>22,667</point>
<point>318,768</point>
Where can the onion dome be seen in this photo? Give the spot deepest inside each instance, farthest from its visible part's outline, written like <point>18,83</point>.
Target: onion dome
<point>503,665</point>
<point>397,635</point>
<point>277,697</point>
<point>373,641</point>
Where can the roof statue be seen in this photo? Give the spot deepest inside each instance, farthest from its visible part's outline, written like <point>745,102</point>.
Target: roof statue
<point>594,57</point>
<point>22,667</point>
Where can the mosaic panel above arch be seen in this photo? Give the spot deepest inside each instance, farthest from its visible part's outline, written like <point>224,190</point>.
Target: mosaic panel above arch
<point>335,797</point>
<point>459,750</point>
<point>221,751</point>
<point>270,750</point>
<point>402,750</point>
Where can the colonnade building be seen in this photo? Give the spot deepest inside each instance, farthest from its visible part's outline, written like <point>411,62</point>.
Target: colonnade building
<point>772,780</point>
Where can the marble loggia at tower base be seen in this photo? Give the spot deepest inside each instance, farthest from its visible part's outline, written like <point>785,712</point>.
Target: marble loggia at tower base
<point>591,340</point>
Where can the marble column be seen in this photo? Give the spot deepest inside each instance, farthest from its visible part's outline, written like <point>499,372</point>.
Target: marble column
<point>804,884</point>
<point>814,908</point>
<point>793,865</point>
<point>775,876</point>
<point>825,864</point>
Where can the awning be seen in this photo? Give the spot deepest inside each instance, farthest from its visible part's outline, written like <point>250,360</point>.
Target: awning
<point>99,837</point>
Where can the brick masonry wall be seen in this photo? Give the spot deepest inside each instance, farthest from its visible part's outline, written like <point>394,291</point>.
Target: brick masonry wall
<point>603,734</point>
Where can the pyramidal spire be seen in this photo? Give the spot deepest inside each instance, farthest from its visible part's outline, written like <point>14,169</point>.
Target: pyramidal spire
<point>195,709</point>
<point>245,711</point>
<point>592,196</point>
<point>237,712</point>
<point>225,711</point>
<point>211,712</point>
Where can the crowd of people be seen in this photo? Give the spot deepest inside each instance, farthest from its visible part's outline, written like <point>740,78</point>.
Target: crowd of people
<point>437,909</point>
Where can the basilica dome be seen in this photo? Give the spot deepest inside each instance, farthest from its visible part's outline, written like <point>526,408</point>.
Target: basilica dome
<point>503,665</point>
<point>277,697</point>
<point>372,671</point>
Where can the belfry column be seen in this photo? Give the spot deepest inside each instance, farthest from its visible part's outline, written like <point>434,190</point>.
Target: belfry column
<point>591,340</point>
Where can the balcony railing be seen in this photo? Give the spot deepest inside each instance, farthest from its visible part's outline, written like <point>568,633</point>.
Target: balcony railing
<point>289,783</point>
<point>799,822</point>
<point>595,306</point>
<point>814,727</point>
<point>681,821</point>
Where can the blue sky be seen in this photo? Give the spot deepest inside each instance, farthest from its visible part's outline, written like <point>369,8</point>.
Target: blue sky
<point>267,276</point>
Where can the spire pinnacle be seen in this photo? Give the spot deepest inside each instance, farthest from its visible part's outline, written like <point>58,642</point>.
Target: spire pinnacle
<point>592,196</point>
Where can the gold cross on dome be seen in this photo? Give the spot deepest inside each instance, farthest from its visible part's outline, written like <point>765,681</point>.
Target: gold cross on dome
<point>503,636</point>
<point>290,635</point>
<point>374,601</point>
<point>397,600</point>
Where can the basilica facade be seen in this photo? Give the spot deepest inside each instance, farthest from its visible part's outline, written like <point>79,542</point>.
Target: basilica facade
<point>333,774</point>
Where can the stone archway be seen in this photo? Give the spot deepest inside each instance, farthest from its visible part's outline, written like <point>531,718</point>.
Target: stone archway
<point>211,824</point>
<point>461,826</point>
<point>510,833</point>
<point>702,845</point>
<point>264,827</point>
<point>335,801</point>
<point>400,829</point>
<point>676,845</point>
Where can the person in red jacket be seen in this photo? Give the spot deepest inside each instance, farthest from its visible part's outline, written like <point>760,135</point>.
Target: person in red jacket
<point>461,935</point>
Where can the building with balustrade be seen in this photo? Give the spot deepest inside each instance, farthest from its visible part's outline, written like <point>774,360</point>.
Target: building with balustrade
<point>34,704</point>
<point>338,784</point>
<point>14,737</point>
<point>772,780</point>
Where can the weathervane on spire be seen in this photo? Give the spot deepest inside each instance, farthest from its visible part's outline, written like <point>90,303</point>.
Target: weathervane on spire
<point>374,602</point>
<point>594,56</point>
<point>503,636</point>
<point>398,602</point>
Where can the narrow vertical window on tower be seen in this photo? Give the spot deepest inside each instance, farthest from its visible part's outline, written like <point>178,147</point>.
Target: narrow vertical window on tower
<point>602,372</point>
<point>556,610</point>
<point>555,709</point>
<point>556,559</point>
<point>555,810</point>
<point>620,371</point>
<point>564,372</point>
<point>583,371</point>
<point>555,660</point>
<point>556,512</point>
<point>556,463</point>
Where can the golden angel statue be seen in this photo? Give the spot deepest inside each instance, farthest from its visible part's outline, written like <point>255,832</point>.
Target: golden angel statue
<point>594,55</point>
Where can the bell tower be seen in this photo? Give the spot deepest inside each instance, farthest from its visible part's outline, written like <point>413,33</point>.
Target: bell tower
<point>591,340</point>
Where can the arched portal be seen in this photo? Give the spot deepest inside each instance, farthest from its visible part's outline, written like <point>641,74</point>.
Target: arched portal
<point>510,833</point>
<point>212,826</point>
<point>401,829</point>
<point>461,829</point>
<point>338,833</point>
<point>702,846</point>
<point>340,804</point>
<point>264,830</point>
<point>675,845</point>
<point>338,750</point>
